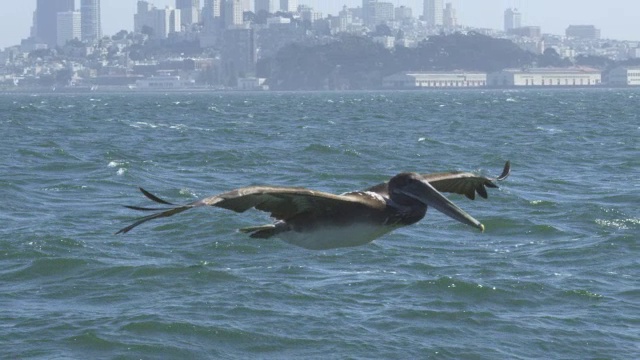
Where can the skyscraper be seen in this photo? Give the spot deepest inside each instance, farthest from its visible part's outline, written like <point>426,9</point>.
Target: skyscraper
<point>90,20</point>
<point>368,11</point>
<point>233,13</point>
<point>450,19</point>
<point>189,11</point>
<point>211,11</point>
<point>68,27</point>
<point>512,19</point>
<point>433,12</point>
<point>47,19</point>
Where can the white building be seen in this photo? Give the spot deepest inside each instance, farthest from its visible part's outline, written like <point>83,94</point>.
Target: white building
<point>252,84</point>
<point>625,76</point>
<point>415,80</point>
<point>545,77</point>
<point>433,12</point>
<point>69,27</point>
<point>163,82</point>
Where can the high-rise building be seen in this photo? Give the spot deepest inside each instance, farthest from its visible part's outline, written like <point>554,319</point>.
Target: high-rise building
<point>68,27</point>
<point>90,20</point>
<point>189,11</point>
<point>512,19</point>
<point>46,26</point>
<point>161,21</point>
<point>233,13</point>
<point>289,5</point>
<point>379,13</point>
<point>450,20</point>
<point>433,12</point>
<point>211,11</point>
<point>368,11</point>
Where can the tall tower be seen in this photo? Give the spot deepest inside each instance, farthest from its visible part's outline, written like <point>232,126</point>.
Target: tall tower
<point>512,19</point>
<point>433,12</point>
<point>189,11</point>
<point>90,20</point>
<point>47,19</point>
<point>233,13</point>
<point>450,19</point>
<point>68,27</point>
<point>368,11</point>
<point>211,11</point>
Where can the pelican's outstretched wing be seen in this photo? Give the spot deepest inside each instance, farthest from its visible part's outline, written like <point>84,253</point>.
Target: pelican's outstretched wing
<point>282,203</point>
<point>463,183</point>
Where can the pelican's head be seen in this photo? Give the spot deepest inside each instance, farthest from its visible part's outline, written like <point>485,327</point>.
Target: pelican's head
<point>410,189</point>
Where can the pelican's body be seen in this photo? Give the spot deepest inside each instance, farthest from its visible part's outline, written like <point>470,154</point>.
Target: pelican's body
<point>318,220</point>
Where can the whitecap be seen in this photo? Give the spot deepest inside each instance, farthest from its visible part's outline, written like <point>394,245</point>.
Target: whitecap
<point>622,224</point>
<point>115,163</point>
<point>121,171</point>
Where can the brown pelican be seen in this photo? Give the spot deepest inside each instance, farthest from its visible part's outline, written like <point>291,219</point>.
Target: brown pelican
<point>318,220</point>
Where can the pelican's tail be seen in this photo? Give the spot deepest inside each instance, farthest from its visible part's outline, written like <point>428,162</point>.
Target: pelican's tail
<point>163,212</point>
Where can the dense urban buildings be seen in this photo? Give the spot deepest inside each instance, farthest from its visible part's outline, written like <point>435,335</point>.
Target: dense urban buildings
<point>284,44</point>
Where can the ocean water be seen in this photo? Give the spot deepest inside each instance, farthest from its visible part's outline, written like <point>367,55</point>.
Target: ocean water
<point>556,275</point>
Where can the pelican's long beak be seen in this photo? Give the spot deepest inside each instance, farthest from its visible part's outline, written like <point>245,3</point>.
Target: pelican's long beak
<point>427,194</point>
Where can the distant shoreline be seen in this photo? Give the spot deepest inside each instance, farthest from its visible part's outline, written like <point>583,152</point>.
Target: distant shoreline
<point>124,89</point>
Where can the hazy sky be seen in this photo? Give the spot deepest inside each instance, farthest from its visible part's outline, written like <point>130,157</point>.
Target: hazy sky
<point>616,18</point>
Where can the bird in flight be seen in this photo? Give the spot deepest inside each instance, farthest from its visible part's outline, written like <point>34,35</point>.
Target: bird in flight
<point>318,220</point>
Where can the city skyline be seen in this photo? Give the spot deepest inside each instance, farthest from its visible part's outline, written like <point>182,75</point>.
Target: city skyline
<point>618,22</point>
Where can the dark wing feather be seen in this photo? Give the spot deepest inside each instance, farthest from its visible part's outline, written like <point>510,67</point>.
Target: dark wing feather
<point>458,182</point>
<point>281,202</point>
<point>465,183</point>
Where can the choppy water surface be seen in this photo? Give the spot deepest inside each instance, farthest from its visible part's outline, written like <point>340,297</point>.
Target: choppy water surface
<point>554,276</point>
